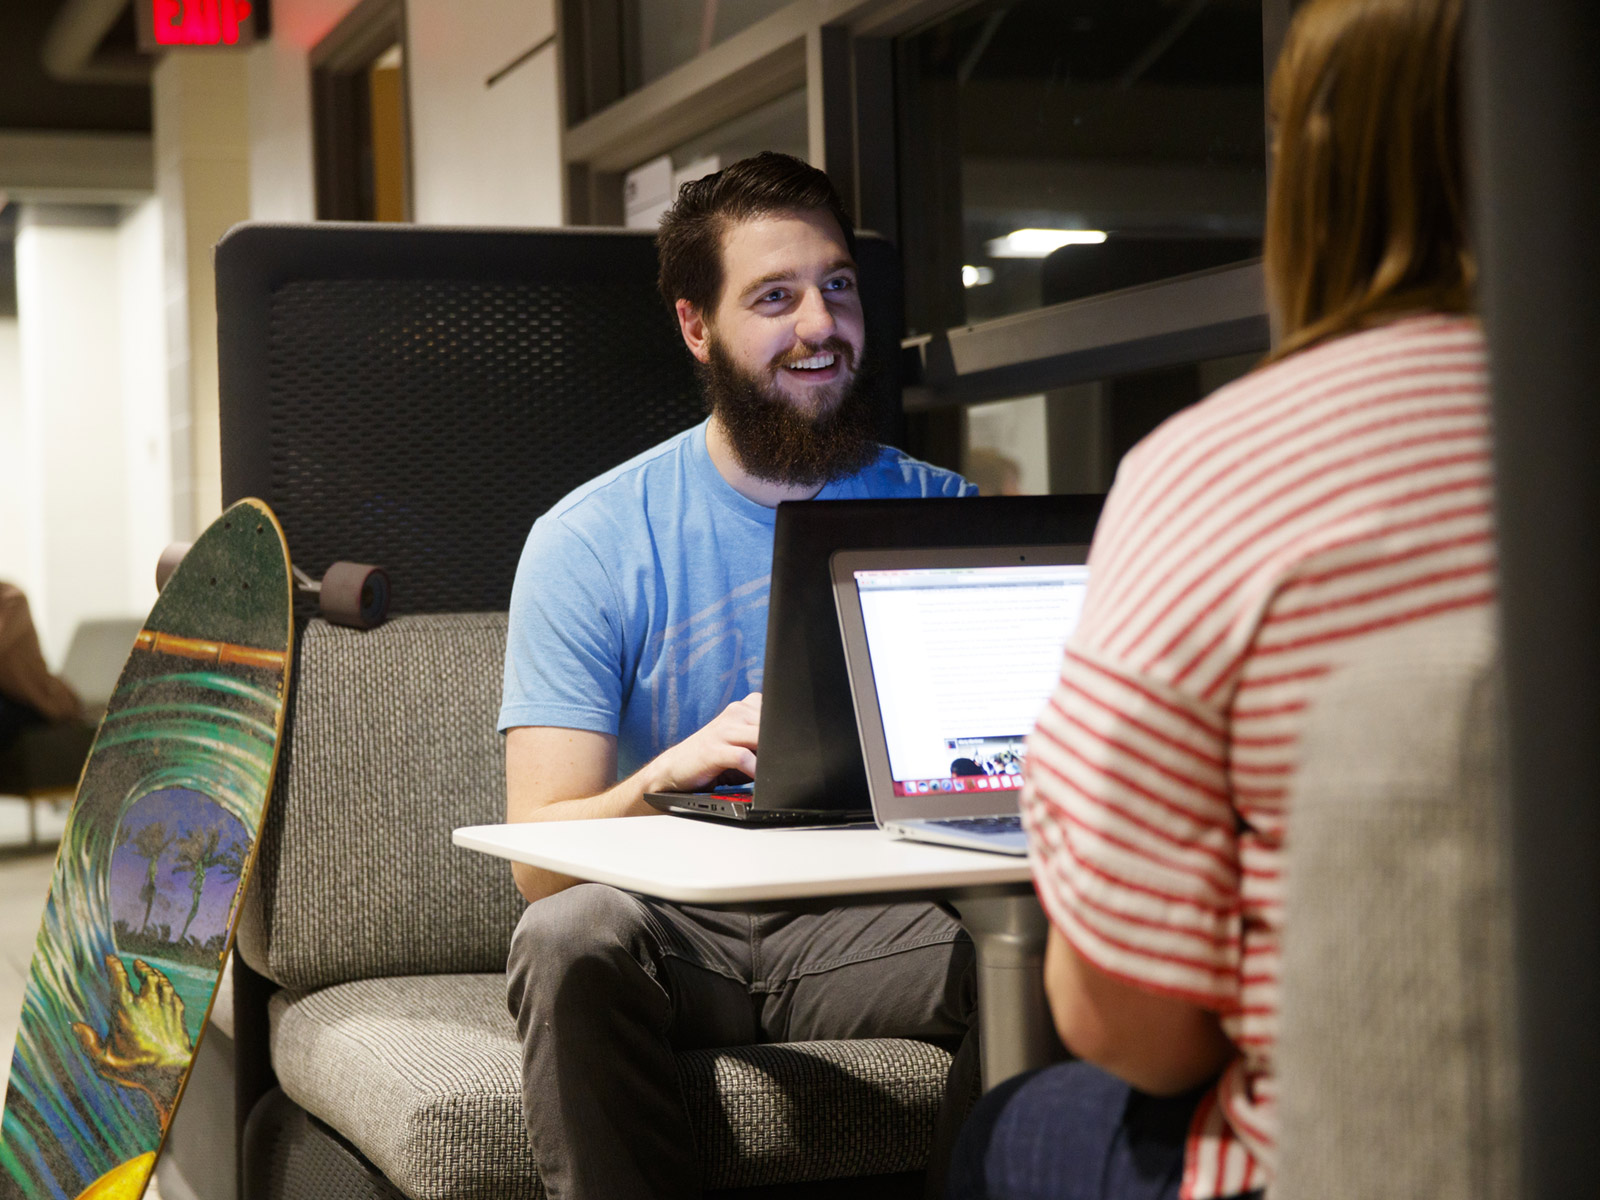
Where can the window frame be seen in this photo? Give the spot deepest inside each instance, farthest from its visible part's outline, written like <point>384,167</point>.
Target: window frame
<point>845,54</point>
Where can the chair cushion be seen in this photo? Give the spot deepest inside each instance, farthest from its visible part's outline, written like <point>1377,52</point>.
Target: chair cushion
<point>1396,1064</point>
<point>391,744</point>
<point>45,758</point>
<point>423,1075</point>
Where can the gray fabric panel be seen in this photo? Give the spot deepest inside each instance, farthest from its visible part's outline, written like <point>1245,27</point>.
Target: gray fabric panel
<point>812,1110</point>
<point>1395,1061</point>
<point>391,744</point>
<point>423,1075</point>
<point>290,1155</point>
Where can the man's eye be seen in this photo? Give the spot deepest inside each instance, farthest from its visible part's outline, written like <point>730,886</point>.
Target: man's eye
<point>772,297</point>
<point>842,284</point>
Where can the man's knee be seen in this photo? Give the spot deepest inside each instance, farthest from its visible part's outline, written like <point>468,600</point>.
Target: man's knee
<point>573,941</point>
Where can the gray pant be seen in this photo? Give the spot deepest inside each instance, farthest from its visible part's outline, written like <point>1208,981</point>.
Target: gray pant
<point>606,985</point>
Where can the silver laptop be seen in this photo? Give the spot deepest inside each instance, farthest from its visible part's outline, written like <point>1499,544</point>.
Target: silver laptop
<point>952,654</point>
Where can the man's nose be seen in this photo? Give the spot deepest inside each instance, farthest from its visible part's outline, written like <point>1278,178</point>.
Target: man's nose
<point>814,322</point>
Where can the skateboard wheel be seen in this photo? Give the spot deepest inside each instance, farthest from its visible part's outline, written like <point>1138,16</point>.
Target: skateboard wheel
<point>169,560</point>
<point>354,594</point>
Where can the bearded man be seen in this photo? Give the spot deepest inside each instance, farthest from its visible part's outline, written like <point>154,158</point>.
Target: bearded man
<point>634,660</point>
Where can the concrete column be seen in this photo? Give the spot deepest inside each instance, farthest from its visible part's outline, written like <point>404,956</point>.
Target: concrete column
<point>202,160</point>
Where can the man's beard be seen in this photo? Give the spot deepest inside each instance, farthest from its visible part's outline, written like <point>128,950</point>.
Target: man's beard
<point>774,440</point>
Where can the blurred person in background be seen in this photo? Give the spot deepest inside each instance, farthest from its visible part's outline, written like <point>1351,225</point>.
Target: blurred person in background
<point>29,693</point>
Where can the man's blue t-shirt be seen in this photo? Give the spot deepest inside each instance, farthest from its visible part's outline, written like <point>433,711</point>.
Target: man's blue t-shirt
<point>640,603</point>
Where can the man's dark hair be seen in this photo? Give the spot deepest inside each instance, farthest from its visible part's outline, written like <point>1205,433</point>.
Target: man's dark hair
<point>689,241</point>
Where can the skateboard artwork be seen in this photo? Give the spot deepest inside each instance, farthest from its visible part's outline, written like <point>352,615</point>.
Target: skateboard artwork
<point>152,867</point>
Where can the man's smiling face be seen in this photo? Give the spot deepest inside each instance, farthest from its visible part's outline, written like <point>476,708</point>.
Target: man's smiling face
<point>789,314</point>
<point>783,351</point>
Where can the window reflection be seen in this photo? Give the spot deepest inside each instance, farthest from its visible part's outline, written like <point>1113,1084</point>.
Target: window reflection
<point>664,34</point>
<point>652,187</point>
<point>778,125</point>
<point>1006,450</point>
<point>1056,149</point>
<point>1070,439</point>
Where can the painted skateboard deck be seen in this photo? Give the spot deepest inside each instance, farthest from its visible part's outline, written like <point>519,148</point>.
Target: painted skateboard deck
<point>152,865</point>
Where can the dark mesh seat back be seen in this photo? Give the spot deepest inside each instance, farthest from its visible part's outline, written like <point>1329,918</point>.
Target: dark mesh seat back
<point>415,397</point>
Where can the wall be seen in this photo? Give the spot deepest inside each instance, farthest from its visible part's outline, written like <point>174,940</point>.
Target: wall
<point>85,467</point>
<point>16,555</point>
<point>482,153</point>
<point>282,180</point>
<point>70,337</point>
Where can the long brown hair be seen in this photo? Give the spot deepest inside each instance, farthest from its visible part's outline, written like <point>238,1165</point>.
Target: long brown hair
<point>1366,218</point>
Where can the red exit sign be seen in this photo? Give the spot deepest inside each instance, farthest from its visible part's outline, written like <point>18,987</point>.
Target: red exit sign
<point>168,23</point>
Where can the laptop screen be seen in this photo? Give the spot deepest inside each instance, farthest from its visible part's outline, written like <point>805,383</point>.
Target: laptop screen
<point>963,660</point>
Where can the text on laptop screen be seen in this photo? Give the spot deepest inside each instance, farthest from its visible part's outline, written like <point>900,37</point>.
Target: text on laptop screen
<point>963,660</point>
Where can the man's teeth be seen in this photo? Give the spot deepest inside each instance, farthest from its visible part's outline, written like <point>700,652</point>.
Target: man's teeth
<point>815,363</point>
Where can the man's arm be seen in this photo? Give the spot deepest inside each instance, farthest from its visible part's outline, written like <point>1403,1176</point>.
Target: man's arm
<point>563,775</point>
<point>1160,1044</point>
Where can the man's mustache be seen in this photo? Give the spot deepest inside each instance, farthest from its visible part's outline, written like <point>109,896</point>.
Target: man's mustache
<point>835,346</point>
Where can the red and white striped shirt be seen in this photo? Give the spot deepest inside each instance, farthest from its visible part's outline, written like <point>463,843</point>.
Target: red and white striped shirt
<point>1247,546</point>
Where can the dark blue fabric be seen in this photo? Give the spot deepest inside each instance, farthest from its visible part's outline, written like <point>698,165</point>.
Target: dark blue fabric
<point>1072,1132</point>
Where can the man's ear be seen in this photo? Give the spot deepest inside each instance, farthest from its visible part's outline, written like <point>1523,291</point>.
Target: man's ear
<point>696,331</point>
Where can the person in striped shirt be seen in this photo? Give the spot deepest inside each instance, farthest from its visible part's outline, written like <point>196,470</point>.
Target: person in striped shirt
<point>1248,545</point>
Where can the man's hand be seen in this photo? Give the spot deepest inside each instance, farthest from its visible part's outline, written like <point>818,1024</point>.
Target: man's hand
<point>727,744</point>
<point>568,775</point>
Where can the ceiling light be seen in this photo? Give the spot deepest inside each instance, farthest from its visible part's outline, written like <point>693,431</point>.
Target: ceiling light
<point>1036,243</point>
<point>976,276</point>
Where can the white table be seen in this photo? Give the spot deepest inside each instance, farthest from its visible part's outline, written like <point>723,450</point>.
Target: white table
<point>702,862</point>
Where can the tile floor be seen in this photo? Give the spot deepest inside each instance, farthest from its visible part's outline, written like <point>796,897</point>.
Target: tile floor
<point>24,884</point>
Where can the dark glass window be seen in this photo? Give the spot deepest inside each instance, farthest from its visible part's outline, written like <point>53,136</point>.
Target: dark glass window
<point>777,125</point>
<point>659,35</point>
<point>1127,135</point>
<point>1070,439</point>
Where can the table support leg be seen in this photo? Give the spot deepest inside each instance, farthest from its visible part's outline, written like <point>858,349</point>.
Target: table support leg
<point>1016,1031</point>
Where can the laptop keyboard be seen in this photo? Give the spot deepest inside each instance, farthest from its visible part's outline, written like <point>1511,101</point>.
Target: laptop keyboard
<point>1010,823</point>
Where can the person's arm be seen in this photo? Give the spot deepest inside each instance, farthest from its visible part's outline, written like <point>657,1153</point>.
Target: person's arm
<point>23,674</point>
<point>566,775</point>
<point>1160,1044</point>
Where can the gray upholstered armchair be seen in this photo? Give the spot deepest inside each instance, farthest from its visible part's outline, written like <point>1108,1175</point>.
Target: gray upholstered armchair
<point>390,1026</point>
<point>415,397</point>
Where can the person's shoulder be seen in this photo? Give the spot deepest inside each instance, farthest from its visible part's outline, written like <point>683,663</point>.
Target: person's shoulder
<point>1276,392</point>
<point>1402,347</point>
<point>896,473</point>
<point>624,484</point>
<point>605,513</point>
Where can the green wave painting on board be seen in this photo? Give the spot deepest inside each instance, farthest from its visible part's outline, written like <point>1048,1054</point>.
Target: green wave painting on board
<point>152,864</point>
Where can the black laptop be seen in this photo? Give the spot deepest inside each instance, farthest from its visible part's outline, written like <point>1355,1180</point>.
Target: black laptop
<point>809,759</point>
